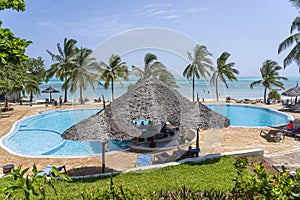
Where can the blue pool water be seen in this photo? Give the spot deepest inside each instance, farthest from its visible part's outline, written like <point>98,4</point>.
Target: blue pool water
<point>39,136</point>
<point>252,116</point>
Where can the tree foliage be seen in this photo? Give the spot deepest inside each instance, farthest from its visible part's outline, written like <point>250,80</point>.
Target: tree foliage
<point>292,41</point>
<point>63,62</point>
<point>224,71</point>
<point>200,66</point>
<point>114,71</point>
<point>18,5</point>
<point>270,76</point>
<point>154,68</point>
<point>12,54</point>
<point>85,72</point>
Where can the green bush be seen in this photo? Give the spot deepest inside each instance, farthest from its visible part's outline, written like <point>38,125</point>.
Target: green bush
<point>25,187</point>
<point>273,94</point>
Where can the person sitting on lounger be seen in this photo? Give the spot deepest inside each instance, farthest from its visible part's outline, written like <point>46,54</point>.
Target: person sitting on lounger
<point>189,153</point>
<point>152,143</point>
<point>291,126</point>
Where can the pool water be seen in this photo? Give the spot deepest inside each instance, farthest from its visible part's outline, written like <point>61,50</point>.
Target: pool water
<point>40,136</point>
<point>251,116</point>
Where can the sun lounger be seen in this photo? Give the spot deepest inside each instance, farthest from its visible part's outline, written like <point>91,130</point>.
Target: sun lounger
<point>288,133</point>
<point>49,172</point>
<point>165,157</point>
<point>2,115</point>
<point>189,154</point>
<point>143,160</point>
<point>272,135</point>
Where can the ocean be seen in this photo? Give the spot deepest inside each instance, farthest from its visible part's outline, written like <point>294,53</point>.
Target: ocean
<point>237,89</point>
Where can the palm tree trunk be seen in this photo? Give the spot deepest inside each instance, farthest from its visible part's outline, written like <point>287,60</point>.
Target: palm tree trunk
<point>217,91</point>
<point>80,93</point>
<point>66,93</point>
<point>20,97</point>
<point>31,97</point>
<point>112,90</point>
<point>265,95</point>
<point>6,103</point>
<point>193,85</point>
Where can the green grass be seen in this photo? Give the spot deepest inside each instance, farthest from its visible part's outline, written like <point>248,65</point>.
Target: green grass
<point>211,174</point>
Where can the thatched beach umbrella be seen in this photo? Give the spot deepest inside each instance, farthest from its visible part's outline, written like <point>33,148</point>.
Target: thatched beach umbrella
<point>50,90</point>
<point>292,92</point>
<point>102,127</point>
<point>151,100</point>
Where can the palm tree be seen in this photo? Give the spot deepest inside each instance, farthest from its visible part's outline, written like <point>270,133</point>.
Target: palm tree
<point>296,3</point>
<point>84,73</point>
<point>156,69</point>
<point>63,62</point>
<point>114,71</point>
<point>294,54</point>
<point>35,67</point>
<point>200,65</point>
<point>270,76</point>
<point>224,71</point>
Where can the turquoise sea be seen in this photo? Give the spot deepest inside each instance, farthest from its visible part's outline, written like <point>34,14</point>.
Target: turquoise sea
<point>238,89</point>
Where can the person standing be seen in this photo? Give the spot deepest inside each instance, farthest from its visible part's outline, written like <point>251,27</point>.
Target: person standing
<point>60,101</point>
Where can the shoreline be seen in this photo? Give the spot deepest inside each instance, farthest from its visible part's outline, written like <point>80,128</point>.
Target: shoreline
<point>213,141</point>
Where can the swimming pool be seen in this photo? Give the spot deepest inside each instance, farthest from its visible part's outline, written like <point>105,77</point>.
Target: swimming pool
<point>251,116</point>
<point>40,136</point>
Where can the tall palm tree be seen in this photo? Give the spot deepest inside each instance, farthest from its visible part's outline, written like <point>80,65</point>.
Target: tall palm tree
<point>294,54</point>
<point>63,62</point>
<point>84,73</point>
<point>200,65</point>
<point>115,70</point>
<point>223,71</point>
<point>270,77</point>
<point>154,68</point>
<point>296,3</point>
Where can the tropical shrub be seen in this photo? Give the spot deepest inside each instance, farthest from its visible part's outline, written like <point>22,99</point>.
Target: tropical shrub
<point>26,186</point>
<point>274,95</point>
<point>261,185</point>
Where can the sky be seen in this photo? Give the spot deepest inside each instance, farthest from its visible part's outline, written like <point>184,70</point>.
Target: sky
<point>250,30</point>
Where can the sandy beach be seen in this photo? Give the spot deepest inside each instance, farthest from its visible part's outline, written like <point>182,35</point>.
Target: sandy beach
<point>213,141</point>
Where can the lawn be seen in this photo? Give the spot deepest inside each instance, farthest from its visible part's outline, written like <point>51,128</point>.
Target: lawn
<point>214,174</point>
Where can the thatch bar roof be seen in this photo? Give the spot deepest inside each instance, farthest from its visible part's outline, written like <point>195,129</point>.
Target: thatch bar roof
<point>292,92</point>
<point>152,100</point>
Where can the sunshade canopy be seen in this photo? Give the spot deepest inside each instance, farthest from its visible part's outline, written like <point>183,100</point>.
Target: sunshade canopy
<point>50,90</point>
<point>292,92</point>
<point>152,100</point>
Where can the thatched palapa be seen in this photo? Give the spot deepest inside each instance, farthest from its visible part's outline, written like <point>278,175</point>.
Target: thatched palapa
<point>292,92</point>
<point>152,100</point>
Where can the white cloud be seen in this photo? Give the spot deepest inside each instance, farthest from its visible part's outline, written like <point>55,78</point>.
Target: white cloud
<point>197,10</point>
<point>99,25</point>
<point>159,10</point>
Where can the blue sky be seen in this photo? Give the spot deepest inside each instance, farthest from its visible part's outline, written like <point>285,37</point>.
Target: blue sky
<point>250,30</point>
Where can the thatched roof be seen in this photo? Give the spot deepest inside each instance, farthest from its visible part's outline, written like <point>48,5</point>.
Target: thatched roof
<point>152,100</point>
<point>50,90</point>
<point>292,92</point>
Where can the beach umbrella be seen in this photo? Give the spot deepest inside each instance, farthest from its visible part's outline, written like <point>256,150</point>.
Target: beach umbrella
<point>102,127</point>
<point>292,92</point>
<point>152,100</point>
<point>50,90</point>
